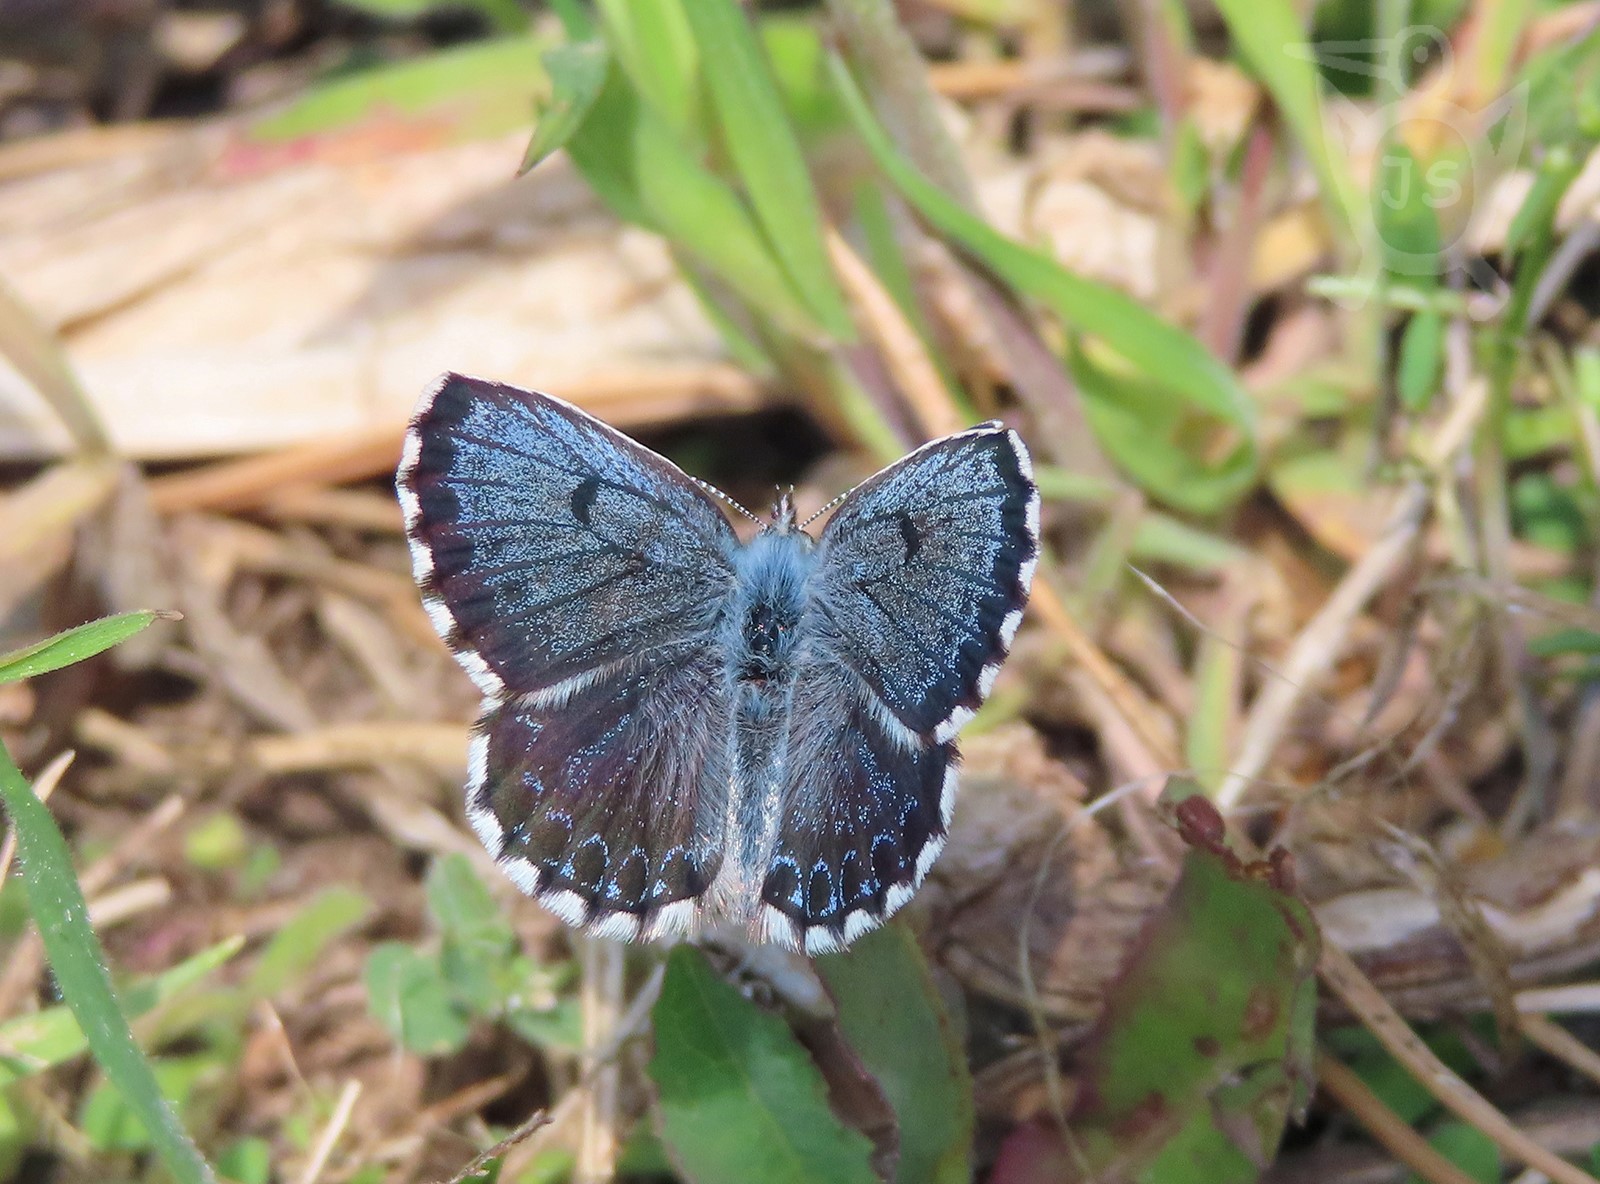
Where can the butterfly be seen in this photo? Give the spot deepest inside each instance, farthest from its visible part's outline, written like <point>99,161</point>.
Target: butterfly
<point>679,729</point>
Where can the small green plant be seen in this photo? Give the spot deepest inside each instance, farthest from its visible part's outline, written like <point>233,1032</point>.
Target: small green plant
<point>429,996</point>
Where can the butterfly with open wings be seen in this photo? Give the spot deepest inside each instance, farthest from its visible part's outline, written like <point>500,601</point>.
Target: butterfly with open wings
<point>680,729</point>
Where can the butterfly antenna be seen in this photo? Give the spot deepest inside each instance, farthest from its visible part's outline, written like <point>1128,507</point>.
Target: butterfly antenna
<point>724,498</point>
<point>831,506</point>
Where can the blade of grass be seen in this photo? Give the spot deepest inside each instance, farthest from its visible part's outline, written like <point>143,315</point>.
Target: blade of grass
<point>33,350</point>
<point>74,645</point>
<point>1171,359</point>
<point>631,157</point>
<point>762,144</point>
<point>51,1036</point>
<point>657,50</point>
<point>75,956</point>
<point>1272,41</point>
<point>577,71</point>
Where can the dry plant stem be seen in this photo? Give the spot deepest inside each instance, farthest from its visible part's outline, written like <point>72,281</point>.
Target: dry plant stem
<point>903,350</point>
<point>1384,1125</point>
<point>440,747</point>
<point>1346,980</point>
<point>1320,643</point>
<point>602,1006</point>
<point>897,79</point>
<point>1562,1044</point>
<point>29,346</point>
<point>521,1145</point>
<point>1568,999</point>
<point>1141,718</point>
<point>240,484</point>
<point>326,1141</point>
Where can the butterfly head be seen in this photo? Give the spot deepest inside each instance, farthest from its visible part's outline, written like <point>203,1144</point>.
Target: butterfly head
<point>784,519</point>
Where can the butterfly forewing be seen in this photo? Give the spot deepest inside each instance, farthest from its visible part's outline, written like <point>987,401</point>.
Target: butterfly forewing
<point>923,573</point>
<point>548,546</point>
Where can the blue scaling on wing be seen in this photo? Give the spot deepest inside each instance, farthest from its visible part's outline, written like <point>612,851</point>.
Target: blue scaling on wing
<point>549,546</point>
<point>923,573</point>
<point>609,803</point>
<point>580,579</point>
<point>866,810</point>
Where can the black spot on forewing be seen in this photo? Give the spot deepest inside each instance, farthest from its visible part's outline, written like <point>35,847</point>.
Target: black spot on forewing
<point>911,534</point>
<point>583,498</point>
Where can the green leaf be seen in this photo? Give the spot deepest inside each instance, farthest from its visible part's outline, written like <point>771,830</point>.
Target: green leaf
<point>1174,378</point>
<point>891,1014</point>
<point>1468,1148</point>
<point>300,941</point>
<point>479,945</point>
<point>247,1161</point>
<point>558,1027</point>
<point>483,88</point>
<point>461,903</point>
<point>739,1098</point>
<point>111,1124</point>
<point>1158,439</point>
<point>62,918</point>
<point>762,144</point>
<point>657,51</point>
<point>577,71</point>
<point>1421,362</point>
<point>1205,1044</point>
<point>13,1140</point>
<point>409,996</point>
<point>1271,39</point>
<point>217,842</point>
<point>1407,224</point>
<point>632,159</point>
<point>51,1035</point>
<point>74,645</point>
<point>392,10</point>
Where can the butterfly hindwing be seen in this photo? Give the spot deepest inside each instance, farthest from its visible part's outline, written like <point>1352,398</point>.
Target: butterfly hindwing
<point>549,546</point>
<point>923,573</point>
<point>866,809</point>
<point>607,803</point>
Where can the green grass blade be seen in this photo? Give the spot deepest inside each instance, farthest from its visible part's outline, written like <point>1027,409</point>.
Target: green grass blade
<point>761,142</point>
<point>1176,378</point>
<point>35,1042</point>
<point>62,917</point>
<point>74,645</point>
<point>1271,39</point>
<point>656,47</point>
<point>482,88</point>
<point>632,159</point>
<point>577,71</point>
